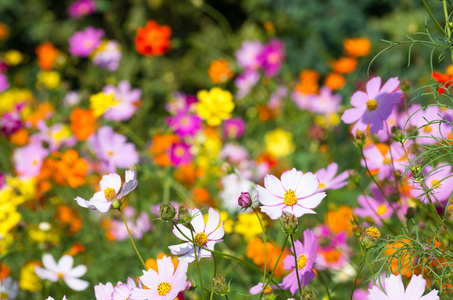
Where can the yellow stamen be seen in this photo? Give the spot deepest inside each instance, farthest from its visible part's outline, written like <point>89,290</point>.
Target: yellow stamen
<point>290,198</point>
<point>386,161</point>
<point>373,233</point>
<point>110,153</point>
<point>428,128</point>
<point>110,194</point>
<point>267,290</point>
<point>163,288</point>
<point>301,262</point>
<point>435,183</point>
<point>201,238</point>
<point>371,104</point>
<point>60,275</point>
<point>382,209</point>
<point>322,185</point>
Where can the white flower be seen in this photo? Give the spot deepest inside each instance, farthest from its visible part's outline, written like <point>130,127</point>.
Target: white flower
<point>9,289</point>
<point>110,191</point>
<point>206,235</point>
<point>62,270</point>
<point>394,290</point>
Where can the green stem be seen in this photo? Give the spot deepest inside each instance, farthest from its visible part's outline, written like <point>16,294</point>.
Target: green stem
<point>265,247</point>
<point>364,256</point>
<point>196,260</point>
<point>296,265</point>
<point>432,17</point>
<point>132,240</point>
<point>357,276</point>
<point>447,24</point>
<point>275,267</point>
<point>325,284</point>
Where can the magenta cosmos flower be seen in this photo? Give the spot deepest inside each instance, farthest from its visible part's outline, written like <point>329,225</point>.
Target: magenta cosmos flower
<point>164,284</point>
<point>206,235</point>
<point>272,57</point>
<point>180,154</point>
<point>249,55</point>
<point>394,290</point>
<point>297,193</point>
<point>83,43</point>
<point>62,270</point>
<point>306,255</point>
<point>373,107</point>
<point>111,190</point>
<point>81,8</point>
<point>327,179</point>
<point>184,124</point>
<point>234,128</point>
<point>126,101</point>
<point>28,160</point>
<point>372,208</point>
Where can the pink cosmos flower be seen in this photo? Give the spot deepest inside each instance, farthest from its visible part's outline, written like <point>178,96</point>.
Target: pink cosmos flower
<point>327,179</point>
<point>56,136</point>
<point>384,134</point>
<point>430,124</point>
<point>272,57</point>
<point>10,122</point>
<point>297,193</point>
<point>103,291</point>
<point>234,128</point>
<point>306,255</point>
<point>180,154</point>
<point>4,85</point>
<point>108,55</point>
<point>438,182</point>
<point>325,102</point>
<point>372,208</point>
<point>181,102</point>
<point>62,270</point>
<point>234,153</point>
<point>303,101</point>
<point>373,107</point>
<point>336,244</point>
<point>138,226</point>
<point>126,99</point>
<point>164,285</point>
<point>383,162</point>
<point>82,43</point>
<point>245,82</point>
<point>184,124</point>
<point>258,289</point>
<point>28,160</point>
<point>394,290</point>
<point>206,235</point>
<point>112,149</point>
<point>110,191</point>
<point>81,8</point>
<point>123,291</point>
<point>249,55</point>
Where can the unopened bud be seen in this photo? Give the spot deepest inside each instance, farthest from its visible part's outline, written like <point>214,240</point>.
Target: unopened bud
<point>245,200</point>
<point>354,176</point>
<point>397,134</point>
<point>360,138</point>
<point>289,223</point>
<point>167,211</point>
<point>357,230</point>
<point>370,237</point>
<point>307,294</point>
<point>183,214</point>
<point>220,286</point>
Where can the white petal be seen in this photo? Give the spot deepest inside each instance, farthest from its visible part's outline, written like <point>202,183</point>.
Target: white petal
<point>165,268</point>
<point>266,198</point>
<point>184,230</point>
<point>181,249</point>
<point>76,284</point>
<point>46,274</point>
<point>274,212</point>
<point>308,184</point>
<point>197,221</point>
<point>394,287</point>
<point>217,234</point>
<point>65,264</point>
<point>49,262</point>
<point>312,201</point>
<point>416,287</point>
<point>213,221</point>
<point>78,271</point>
<point>274,186</point>
<point>291,179</point>
<point>112,181</point>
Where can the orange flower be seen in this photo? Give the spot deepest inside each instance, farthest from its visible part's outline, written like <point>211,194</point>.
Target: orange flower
<point>160,148</point>
<point>357,47</point>
<point>152,39</point>
<point>76,249</point>
<point>265,113</point>
<point>69,217</point>
<point>19,138</point>
<point>345,65</point>
<point>188,174</point>
<point>4,31</point>
<point>308,82</point>
<point>334,81</point>
<point>444,79</point>
<point>47,55</point>
<point>267,158</point>
<point>43,111</point>
<point>339,220</point>
<point>202,197</point>
<point>83,123</point>
<point>399,260</point>
<point>255,251</point>
<point>71,169</point>
<point>220,71</point>
<point>4,271</point>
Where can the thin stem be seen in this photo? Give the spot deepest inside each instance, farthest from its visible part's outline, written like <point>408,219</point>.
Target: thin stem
<point>325,284</point>
<point>275,267</point>
<point>357,276</point>
<point>296,265</point>
<point>196,259</point>
<point>364,256</point>
<point>432,17</point>
<point>447,23</point>
<point>264,241</point>
<point>132,240</point>
<point>226,296</point>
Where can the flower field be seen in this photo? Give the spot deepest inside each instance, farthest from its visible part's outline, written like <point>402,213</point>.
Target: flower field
<point>237,149</point>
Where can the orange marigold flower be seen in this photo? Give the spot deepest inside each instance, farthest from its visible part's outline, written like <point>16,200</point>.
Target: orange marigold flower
<point>19,138</point>
<point>4,271</point>
<point>188,174</point>
<point>334,81</point>
<point>339,220</point>
<point>202,197</point>
<point>219,71</point>
<point>83,123</point>
<point>160,148</point>
<point>43,111</point>
<point>71,169</point>
<point>255,251</point>
<point>400,260</point>
<point>47,55</point>
<point>76,249</point>
<point>308,82</point>
<point>152,39</point>
<point>4,31</point>
<point>69,217</point>
<point>357,47</point>
<point>151,263</point>
<point>445,79</point>
<point>345,65</point>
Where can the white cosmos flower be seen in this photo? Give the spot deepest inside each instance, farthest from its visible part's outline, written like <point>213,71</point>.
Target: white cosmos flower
<point>111,190</point>
<point>62,270</point>
<point>394,290</point>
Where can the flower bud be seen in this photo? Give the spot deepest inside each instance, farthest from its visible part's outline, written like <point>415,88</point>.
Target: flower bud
<point>116,203</point>
<point>307,294</point>
<point>183,214</point>
<point>220,286</point>
<point>360,138</point>
<point>245,200</point>
<point>397,134</point>
<point>370,237</point>
<point>450,213</point>
<point>167,211</point>
<point>353,177</point>
<point>289,223</point>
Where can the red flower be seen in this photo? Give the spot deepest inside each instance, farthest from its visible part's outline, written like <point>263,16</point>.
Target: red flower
<point>444,79</point>
<point>153,39</point>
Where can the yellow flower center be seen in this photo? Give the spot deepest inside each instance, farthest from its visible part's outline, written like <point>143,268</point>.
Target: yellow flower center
<point>301,262</point>
<point>201,238</point>
<point>322,185</point>
<point>163,288</point>
<point>290,198</point>
<point>428,128</point>
<point>60,275</point>
<point>267,290</point>
<point>371,104</point>
<point>435,183</point>
<point>35,162</point>
<point>373,233</point>
<point>110,153</point>
<point>386,160</point>
<point>110,194</point>
<point>382,209</point>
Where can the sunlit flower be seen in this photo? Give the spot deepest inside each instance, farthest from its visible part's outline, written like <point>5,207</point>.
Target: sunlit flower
<point>111,190</point>
<point>83,43</point>
<point>219,71</point>
<point>215,105</point>
<point>164,284</point>
<point>108,55</point>
<point>279,143</point>
<point>125,100</point>
<point>205,234</point>
<point>357,47</point>
<point>394,289</point>
<point>153,39</point>
<point>297,193</point>
<point>327,179</point>
<point>64,270</point>
<point>81,8</point>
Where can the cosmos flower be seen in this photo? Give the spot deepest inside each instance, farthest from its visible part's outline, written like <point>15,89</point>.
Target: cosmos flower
<point>325,102</point>
<point>108,55</point>
<point>248,56</point>
<point>28,160</point>
<point>234,128</point>
<point>373,107</point>
<point>205,234</point>
<point>184,124</point>
<point>438,181</point>
<point>153,39</point>
<point>327,179</point>
<point>164,284</point>
<point>4,85</point>
<point>257,289</point>
<point>245,82</point>
<point>384,159</point>
<point>81,8</point>
<point>83,43</point>
<point>111,191</point>
<point>126,100</point>
<point>272,57</point>
<point>64,270</point>
<point>123,291</point>
<point>103,291</point>
<point>297,193</point>
<point>180,154</point>
<point>372,208</point>
<point>9,289</point>
<point>306,255</point>
<point>394,290</point>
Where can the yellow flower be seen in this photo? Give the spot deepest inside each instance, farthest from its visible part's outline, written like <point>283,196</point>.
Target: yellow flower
<point>279,143</point>
<point>13,57</point>
<point>29,281</point>
<point>100,102</point>
<point>11,97</point>
<point>5,241</point>
<point>43,233</point>
<point>215,105</point>
<point>328,120</point>
<point>9,217</point>
<point>249,226</point>
<point>50,80</point>
<point>17,191</point>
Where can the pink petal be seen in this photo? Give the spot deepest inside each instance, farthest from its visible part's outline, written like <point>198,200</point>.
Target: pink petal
<point>394,287</point>
<point>165,268</point>
<point>390,86</point>
<point>373,86</point>
<point>359,99</point>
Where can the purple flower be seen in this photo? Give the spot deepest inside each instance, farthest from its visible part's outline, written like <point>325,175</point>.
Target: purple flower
<point>137,228</point>
<point>303,101</point>
<point>56,136</point>
<point>372,208</point>
<point>122,291</point>
<point>10,122</point>
<point>112,149</point>
<point>257,289</point>
<point>272,57</point>
<point>438,181</point>
<point>331,242</point>
<point>245,200</point>
<point>327,179</point>
<point>103,291</point>
<point>28,160</point>
<point>81,8</point>
<point>125,98</point>
<point>306,255</point>
<point>430,124</point>
<point>249,55</point>
<point>373,107</point>
<point>4,85</point>
<point>245,82</point>
<point>180,154</point>
<point>181,102</point>
<point>325,102</point>
<point>234,153</point>
<point>184,124</point>
<point>108,55</point>
<point>234,128</point>
<point>83,43</point>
